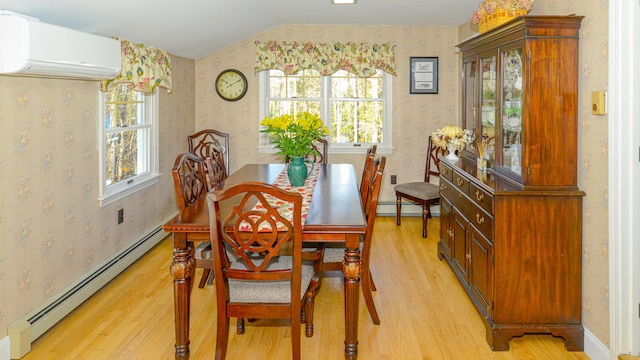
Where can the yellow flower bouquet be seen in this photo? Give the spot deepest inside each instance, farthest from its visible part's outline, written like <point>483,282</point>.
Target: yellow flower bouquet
<point>294,135</point>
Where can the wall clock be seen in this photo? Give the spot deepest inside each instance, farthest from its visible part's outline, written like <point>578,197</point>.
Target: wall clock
<point>231,85</point>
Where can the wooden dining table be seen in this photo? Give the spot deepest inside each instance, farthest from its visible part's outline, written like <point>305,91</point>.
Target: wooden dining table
<point>335,215</point>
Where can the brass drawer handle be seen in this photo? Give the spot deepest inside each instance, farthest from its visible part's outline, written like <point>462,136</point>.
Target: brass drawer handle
<point>450,233</point>
<point>445,171</point>
<point>479,219</point>
<point>479,195</point>
<point>459,181</point>
<point>443,187</point>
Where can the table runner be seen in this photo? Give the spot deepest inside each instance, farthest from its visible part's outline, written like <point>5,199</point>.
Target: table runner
<point>282,182</point>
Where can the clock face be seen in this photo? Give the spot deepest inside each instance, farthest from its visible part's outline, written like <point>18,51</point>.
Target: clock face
<point>231,85</point>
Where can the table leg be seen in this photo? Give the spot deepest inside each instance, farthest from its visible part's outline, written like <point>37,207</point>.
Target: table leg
<point>182,271</point>
<point>352,269</point>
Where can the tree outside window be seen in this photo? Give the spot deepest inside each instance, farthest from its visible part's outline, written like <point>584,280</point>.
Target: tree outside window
<point>128,140</point>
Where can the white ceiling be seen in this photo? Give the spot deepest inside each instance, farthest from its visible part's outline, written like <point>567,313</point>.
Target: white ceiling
<point>195,28</point>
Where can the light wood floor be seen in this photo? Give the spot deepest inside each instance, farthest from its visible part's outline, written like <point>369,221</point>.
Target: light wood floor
<point>424,312</point>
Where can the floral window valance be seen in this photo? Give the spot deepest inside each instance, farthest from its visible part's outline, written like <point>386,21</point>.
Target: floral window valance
<point>361,59</point>
<point>143,69</point>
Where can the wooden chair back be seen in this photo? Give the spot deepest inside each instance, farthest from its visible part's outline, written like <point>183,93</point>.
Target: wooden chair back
<point>366,173</point>
<point>211,143</point>
<point>319,153</point>
<point>189,179</point>
<point>433,160</point>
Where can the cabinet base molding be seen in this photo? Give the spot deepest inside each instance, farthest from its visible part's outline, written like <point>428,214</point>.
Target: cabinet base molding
<point>498,335</point>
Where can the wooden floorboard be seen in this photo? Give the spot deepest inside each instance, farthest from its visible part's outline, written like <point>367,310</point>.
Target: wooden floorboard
<point>424,313</point>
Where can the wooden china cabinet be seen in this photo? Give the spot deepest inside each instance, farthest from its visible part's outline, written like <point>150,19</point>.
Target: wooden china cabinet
<point>513,233</point>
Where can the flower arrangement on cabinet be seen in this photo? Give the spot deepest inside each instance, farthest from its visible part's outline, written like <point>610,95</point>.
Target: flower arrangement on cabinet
<point>294,135</point>
<point>452,137</point>
<point>488,7</point>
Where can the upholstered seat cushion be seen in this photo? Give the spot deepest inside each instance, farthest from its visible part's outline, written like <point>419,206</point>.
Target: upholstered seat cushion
<point>420,190</point>
<point>203,251</point>
<point>269,291</point>
<point>335,253</point>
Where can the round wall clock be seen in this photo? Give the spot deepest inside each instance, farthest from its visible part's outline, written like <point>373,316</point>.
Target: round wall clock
<point>231,85</point>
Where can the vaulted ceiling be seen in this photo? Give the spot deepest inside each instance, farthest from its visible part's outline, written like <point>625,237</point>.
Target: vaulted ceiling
<point>194,28</point>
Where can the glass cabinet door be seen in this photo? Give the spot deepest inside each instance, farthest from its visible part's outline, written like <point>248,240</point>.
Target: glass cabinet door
<point>512,110</point>
<point>488,104</point>
<point>469,99</point>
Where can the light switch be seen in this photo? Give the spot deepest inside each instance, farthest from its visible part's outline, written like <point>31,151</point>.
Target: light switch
<point>597,103</point>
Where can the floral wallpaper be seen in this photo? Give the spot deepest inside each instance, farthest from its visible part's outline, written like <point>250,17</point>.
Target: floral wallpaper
<point>54,231</point>
<point>417,116</point>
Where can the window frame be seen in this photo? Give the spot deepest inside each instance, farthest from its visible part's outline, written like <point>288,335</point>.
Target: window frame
<point>114,192</point>
<point>386,147</point>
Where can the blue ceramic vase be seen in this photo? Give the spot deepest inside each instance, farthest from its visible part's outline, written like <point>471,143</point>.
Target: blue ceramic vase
<point>298,170</point>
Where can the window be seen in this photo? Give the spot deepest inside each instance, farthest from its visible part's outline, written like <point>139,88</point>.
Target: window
<point>356,110</point>
<point>128,143</point>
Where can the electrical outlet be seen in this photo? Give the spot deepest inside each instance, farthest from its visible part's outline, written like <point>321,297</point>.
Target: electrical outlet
<point>120,216</point>
<point>393,179</point>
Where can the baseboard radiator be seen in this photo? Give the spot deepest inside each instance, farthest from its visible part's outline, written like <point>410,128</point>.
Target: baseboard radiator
<point>388,208</point>
<point>26,330</point>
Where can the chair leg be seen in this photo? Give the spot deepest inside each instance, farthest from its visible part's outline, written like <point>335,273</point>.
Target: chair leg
<point>222,336</point>
<point>240,326</point>
<point>426,213</point>
<point>204,278</point>
<point>398,209</point>
<point>308,311</point>
<point>368,297</point>
<point>295,336</point>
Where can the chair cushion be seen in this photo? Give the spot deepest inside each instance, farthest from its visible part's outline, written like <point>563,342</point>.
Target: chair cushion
<point>203,251</point>
<point>269,291</point>
<point>420,190</point>
<point>335,254</point>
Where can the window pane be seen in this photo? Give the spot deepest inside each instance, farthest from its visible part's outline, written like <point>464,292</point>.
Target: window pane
<point>304,84</point>
<point>123,107</point>
<point>281,107</point>
<point>347,85</point>
<point>126,155</point>
<point>356,121</point>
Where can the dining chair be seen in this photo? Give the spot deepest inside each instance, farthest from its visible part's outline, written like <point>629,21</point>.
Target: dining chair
<point>210,143</point>
<point>423,193</point>
<point>266,276</point>
<point>319,153</point>
<point>191,184</point>
<point>366,172</point>
<point>334,255</point>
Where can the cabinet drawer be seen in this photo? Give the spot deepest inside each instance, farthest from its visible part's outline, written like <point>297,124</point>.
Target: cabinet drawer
<point>448,190</point>
<point>461,182</point>
<point>445,171</point>
<point>481,197</point>
<point>482,221</point>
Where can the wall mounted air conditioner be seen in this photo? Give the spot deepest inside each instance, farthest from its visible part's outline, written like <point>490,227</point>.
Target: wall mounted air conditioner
<point>29,47</point>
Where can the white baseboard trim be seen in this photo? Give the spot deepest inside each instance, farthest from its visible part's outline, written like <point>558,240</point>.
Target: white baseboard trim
<point>5,349</point>
<point>594,348</point>
<point>24,331</point>
<point>388,208</point>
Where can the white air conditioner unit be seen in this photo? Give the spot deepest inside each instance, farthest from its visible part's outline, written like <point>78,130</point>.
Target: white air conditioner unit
<point>31,48</point>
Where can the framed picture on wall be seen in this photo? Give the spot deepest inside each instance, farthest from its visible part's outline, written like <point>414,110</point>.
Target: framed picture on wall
<point>424,75</point>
